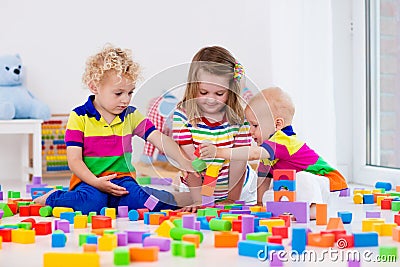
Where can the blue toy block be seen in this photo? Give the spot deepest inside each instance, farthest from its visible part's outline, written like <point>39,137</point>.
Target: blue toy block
<point>368,199</point>
<point>368,239</point>
<point>385,185</point>
<point>146,235</point>
<point>299,239</point>
<point>284,184</point>
<point>257,249</point>
<point>68,215</point>
<point>58,239</point>
<point>256,221</point>
<point>204,225</point>
<point>346,216</point>
<point>133,215</point>
<point>91,239</point>
<point>262,215</point>
<point>103,211</point>
<point>260,228</point>
<point>39,191</point>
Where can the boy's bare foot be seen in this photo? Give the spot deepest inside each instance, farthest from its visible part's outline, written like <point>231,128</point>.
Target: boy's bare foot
<point>192,208</point>
<point>313,211</point>
<point>42,199</point>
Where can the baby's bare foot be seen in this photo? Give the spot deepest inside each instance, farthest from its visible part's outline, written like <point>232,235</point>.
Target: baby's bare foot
<point>42,199</point>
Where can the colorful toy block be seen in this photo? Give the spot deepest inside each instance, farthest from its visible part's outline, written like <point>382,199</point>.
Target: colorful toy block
<point>280,230</point>
<point>136,236</point>
<point>207,201</point>
<point>123,211</point>
<point>133,215</point>
<point>165,228</point>
<point>300,210</point>
<point>247,225</point>
<point>358,198</point>
<point>284,175</point>
<point>191,238</point>
<point>5,234</point>
<point>397,219</point>
<point>386,204</point>
<point>369,239</point>
<point>220,225</point>
<point>226,239</point>
<point>275,239</point>
<point>345,241</point>
<point>43,228</point>
<point>213,170</point>
<point>199,165</point>
<point>151,202</point>
<point>346,216</point>
<point>389,253</point>
<point>100,221</point>
<point>143,254</point>
<point>256,249</point>
<point>58,210</point>
<point>282,195</point>
<point>368,199</point>
<point>335,223</point>
<point>372,214</point>
<point>396,234</point>
<point>107,242</point>
<point>395,205</point>
<point>319,240</point>
<point>58,239</point>
<point>289,185</point>
<point>385,185</point>
<point>68,215</point>
<point>23,236</point>
<point>367,224</point>
<point>111,212</point>
<point>6,210</point>
<point>344,193</point>
<point>121,257</point>
<point>177,233</point>
<point>259,236</point>
<point>163,243</point>
<point>63,259</point>
<point>80,221</point>
<point>271,223</point>
<point>188,221</point>
<point>321,214</point>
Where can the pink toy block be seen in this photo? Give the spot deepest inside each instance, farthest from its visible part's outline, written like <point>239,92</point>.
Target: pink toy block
<point>300,210</point>
<point>284,175</point>
<point>122,211</point>
<point>151,202</point>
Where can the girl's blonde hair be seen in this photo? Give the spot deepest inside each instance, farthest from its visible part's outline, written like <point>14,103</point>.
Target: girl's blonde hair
<point>217,61</point>
<point>110,59</point>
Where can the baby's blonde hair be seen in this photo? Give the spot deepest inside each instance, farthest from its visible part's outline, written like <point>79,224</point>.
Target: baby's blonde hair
<point>279,101</point>
<point>110,59</point>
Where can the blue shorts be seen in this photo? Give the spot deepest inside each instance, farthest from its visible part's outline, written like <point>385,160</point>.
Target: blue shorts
<point>86,198</point>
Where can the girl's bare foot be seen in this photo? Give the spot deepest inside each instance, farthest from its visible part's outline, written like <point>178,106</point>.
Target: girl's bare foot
<point>313,211</point>
<point>192,208</point>
<point>42,199</point>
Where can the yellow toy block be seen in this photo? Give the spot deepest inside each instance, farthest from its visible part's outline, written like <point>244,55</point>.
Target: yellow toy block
<point>377,227</point>
<point>111,212</point>
<point>358,198</point>
<point>164,228</point>
<point>367,224</point>
<point>379,200</point>
<point>1,242</point>
<point>358,191</point>
<point>255,208</point>
<point>107,242</point>
<point>58,210</point>
<point>213,170</point>
<point>272,222</point>
<point>80,221</point>
<point>376,191</point>
<point>229,218</point>
<point>52,259</point>
<point>166,211</point>
<point>366,192</point>
<point>154,219</point>
<point>23,236</point>
<point>387,229</point>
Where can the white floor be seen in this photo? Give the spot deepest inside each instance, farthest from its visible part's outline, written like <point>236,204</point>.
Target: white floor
<point>14,255</point>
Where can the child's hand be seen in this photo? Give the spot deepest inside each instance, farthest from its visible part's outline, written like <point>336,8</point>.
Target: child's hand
<point>103,184</point>
<point>208,150</point>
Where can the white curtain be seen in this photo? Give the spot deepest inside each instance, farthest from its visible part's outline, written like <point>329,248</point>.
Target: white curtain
<point>302,64</point>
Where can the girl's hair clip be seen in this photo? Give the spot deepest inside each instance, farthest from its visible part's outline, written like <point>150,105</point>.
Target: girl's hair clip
<point>238,71</point>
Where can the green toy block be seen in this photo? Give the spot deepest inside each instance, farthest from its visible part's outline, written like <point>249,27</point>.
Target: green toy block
<point>260,236</point>
<point>176,248</point>
<point>78,212</point>
<point>110,231</point>
<point>220,225</point>
<point>46,211</point>
<point>60,187</point>
<point>178,222</point>
<point>230,215</point>
<point>121,257</point>
<point>211,212</point>
<point>14,194</point>
<point>143,180</point>
<point>82,238</point>
<point>388,253</point>
<point>92,213</point>
<point>177,233</point>
<point>199,165</point>
<point>394,194</point>
<point>188,250</point>
<point>396,205</point>
<point>23,203</point>
<point>25,225</point>
<point>6,209</point>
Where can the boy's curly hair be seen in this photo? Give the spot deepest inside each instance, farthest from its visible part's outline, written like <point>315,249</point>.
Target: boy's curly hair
<point>110,59</point>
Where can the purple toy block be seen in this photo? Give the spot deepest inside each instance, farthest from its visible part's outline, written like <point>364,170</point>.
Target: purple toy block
<point>151,202</point>
<point>164,244</point>
<point>300,210</point>
<point>1,195</point>
<point>240,202</point>
<point>1,213</point>
<point>221,207</point>
<point>63,225</point>
<point>275,260</point>
<point>30,186</point>
<point>207,201</point>
<point>135,236</point>
<point>372,214</point>
<point>197,225</point>
<point>245,207</point>
<point>240,211</point>
<point>247,225</point>
<point>36,180</point>
<point>188,221</point>
<point>122,211</point>
<point>345,193</point>
<point>161,181</point>
<point>122,239</point>
<point>353,263</point>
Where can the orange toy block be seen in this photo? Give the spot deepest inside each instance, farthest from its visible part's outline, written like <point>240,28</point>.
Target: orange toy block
<point>396,234</point>
<point>62,259</point>
<point>80,221</point>
<point>23,236</point>
<point>89,247</point>
<point>99,221</point>
<point>290,195</point>
<point>107,242</point>
<point>376,195</point>
<point>335,223</point>
<point>207,190</point>
<point>195,239</point>
<point>318,240</point>
<point>143,254</point>
<point>397,188</point>
<point>226,239</point>
<point>154,219</point>
<point>284,175</point>
<point>322,214</point>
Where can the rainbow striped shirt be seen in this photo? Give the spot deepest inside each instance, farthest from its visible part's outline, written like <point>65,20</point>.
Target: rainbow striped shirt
<point>287,152</point>
<point>221,134</point>
<point>106,148</point>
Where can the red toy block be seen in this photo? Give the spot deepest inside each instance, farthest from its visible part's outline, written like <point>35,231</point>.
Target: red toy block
<point>237,226</point>
<point>220,211</point>
<point>32,221</point>
<point>276,239</point>
<point>280,231</point>
<point>24,211</point>
<point>209,218</point>
<point>43,228</point>
<point>197,152</point>
<point>335,232</point>
<point>397,219</point>
<point>101,222</point>
<point>163,218</point>
<point>345,241</point>
<point>287,218</point>
<point>386,204</point>
<point>34,209</point>
<point>6,234</point>
<point>142,212</point>
<point>13,207</point>
<point>284,175</point>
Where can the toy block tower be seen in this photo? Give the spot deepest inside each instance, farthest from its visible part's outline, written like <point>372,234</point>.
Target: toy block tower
<point>284,185</point>
<point>210,179</point>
